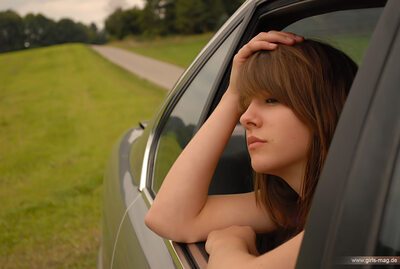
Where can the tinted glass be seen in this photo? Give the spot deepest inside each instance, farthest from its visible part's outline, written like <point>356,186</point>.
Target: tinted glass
<point>349,30</point>
<point>179,128</point>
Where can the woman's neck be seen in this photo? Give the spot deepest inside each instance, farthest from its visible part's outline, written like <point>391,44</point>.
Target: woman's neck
<point>293,176</point>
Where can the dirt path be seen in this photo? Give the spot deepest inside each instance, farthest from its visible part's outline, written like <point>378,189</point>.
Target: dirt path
<point>160,73</point>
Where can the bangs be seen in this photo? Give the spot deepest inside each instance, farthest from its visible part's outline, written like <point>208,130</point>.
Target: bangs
<point>276,74</point>
<point>260,77</point>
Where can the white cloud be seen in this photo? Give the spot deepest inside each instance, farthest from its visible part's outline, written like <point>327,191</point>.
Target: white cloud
<point>85,11</point>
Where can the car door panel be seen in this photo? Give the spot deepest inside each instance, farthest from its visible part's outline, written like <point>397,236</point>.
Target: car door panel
<point>133,229</point>
<point>116,199</point>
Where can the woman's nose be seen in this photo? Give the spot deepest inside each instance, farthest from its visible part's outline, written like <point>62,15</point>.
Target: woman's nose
<point>249,118</point>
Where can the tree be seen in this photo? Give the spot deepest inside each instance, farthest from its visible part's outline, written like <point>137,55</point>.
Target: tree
<point>167,11</point>
<point>163,17</point>
<point>190,16</point>
<point>95,35</point>
<point>39,31</point>
<point>69,31</point>
<point>151,18</point>
<point>11,31</point>
<point>119,24</point>
<point>133,18</point>
<point>215,15</point>
<point>231,5</point>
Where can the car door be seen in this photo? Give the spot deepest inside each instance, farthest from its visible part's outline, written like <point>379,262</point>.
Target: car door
<point>355,211</point>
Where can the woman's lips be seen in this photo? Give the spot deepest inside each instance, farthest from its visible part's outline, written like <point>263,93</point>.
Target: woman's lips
<point>253,142</point>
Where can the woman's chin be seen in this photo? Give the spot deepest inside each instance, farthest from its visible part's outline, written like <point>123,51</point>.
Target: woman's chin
<point>263,168</point>
<point>259,168</point>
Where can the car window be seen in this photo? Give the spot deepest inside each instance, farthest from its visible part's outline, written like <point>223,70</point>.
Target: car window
<point>347,30</point>
<point>180,126</point>
<point>389,236</point>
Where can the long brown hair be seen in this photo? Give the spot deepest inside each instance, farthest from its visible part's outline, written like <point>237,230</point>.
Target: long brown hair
<point>313,79</point>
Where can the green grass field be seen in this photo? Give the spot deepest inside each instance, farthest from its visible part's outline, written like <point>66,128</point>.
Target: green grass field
<point>178,50</point>
<point>61,110</point>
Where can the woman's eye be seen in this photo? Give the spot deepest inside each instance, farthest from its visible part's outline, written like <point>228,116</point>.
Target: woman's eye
<point>271,101</point>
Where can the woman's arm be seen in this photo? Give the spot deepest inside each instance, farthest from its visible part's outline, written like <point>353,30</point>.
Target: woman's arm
<point>182,210</point>
<point>235,247</point>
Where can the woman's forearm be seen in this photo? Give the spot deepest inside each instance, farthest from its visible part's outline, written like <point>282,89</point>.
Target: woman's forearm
<point>184,191</point>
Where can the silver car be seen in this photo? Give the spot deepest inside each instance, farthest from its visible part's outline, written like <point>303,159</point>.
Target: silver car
<point>355,210</point>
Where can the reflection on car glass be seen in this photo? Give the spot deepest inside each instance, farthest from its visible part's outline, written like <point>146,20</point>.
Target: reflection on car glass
<point>183,133</point>
<point>349,30</point>
<point>192,102</point>
<point>181,124</point>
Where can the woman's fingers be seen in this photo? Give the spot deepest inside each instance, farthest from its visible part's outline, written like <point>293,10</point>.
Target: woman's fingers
<point>275,37</point>
<point>255,45</point>
<point>267,41</point>
<point>289,35</point>
<point>298,38</point>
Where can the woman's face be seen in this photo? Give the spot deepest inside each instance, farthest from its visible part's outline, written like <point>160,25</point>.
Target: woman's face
<point>277,140</point>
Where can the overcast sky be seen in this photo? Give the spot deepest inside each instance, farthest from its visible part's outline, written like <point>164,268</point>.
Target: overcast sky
<point>85,11</point>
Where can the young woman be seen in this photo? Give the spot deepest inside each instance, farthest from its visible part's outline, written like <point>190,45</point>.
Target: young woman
<point>287,92</point>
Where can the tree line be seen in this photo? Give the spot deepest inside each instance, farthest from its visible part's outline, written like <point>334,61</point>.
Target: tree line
<point>33,31</point>
<point>165,17</point>
<point>158,17</point>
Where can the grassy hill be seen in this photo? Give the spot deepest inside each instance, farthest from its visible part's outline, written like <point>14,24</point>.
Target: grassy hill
<point>178,50</point>
<point>61,109</point>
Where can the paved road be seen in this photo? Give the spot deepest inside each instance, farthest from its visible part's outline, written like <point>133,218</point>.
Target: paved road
<point>160,73</point>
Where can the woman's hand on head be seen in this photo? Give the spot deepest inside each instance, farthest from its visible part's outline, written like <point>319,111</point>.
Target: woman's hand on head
<point>262,41</point>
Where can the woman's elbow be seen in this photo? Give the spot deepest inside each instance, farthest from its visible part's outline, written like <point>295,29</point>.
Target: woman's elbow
<point>157,223</point>
<point>167,229</point>
<point>153,222</point>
